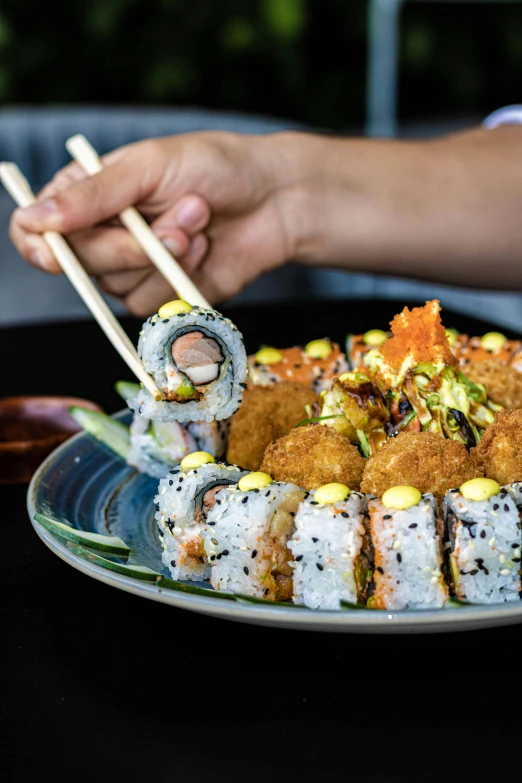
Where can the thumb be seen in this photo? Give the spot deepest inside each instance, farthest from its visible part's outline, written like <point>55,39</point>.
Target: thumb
<point>130,178</point>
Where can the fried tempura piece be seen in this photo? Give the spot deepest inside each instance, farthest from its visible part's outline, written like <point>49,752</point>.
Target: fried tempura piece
<point>418,337</point>
<point>267,413</point>
<point>312,455</point>
<point>499,453</point>
<point>419,459</point>
<point>503,384</point>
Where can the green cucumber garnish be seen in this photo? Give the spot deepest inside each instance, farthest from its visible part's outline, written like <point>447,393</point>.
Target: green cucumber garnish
<point>109,544</point>
<point>104,428</point>
<point>252,599</point>
<point>185,389</point>
<point>348,605</point>
<point>183,587</point>
<point>135,571</point>
<point>127,389</point>
<point>316,419</point>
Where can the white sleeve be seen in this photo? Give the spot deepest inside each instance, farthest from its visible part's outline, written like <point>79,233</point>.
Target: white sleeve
<point>509,115</point>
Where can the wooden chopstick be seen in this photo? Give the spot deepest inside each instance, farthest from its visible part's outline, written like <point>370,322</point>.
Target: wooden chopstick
<point>87,157</point>
<point>17,186</point>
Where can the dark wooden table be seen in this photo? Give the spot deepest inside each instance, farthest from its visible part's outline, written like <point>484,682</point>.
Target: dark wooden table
<point>99,684</point>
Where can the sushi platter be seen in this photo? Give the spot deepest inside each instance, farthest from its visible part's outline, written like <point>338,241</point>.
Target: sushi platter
<point>371,489</point>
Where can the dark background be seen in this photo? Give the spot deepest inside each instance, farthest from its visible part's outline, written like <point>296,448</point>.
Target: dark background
<point>299,59</point>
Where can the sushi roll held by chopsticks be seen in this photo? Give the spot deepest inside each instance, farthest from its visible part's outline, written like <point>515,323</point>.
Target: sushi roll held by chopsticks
<point>483,541</point>
<point>185,497</point>
<point>197,360</point>
<point>407,546</point>
<point>331,548</point>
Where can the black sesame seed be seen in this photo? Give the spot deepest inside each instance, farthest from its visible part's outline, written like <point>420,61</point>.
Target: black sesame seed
<point>483,534</point>
<point>170,482</point>
<point>266,590</point>
<point>412,526</point>
<point>218,557</point>
<point>463,572</point>
<point>315,540</point>
<point>314,503</point>
<point>495,507</point>
<point>131,410</point>
<point>319,566</point>
<point>267,494</point>
<point>254,552</point>
<point>380,570</point>
<point>211,524</point>
<point>173,563</point>
<point>245,499</point>
<point>298,558</point>
<point>225,552</point>
<point>178,489</point>
<point>515,545</point>
<point>516,560</point>
<point>161,533</point>
<point>344,514</point>
<point>399,557</point>
<point>212,557</point>
<point>245,569</point>
<point>473,572</point>
<point>387,516</point>
<point>486,571</point>
<point>181,478</point>
<point>218,502</point>
<point>506,507</point>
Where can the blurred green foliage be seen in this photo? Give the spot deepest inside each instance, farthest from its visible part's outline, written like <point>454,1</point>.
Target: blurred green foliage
<point>301,59</point>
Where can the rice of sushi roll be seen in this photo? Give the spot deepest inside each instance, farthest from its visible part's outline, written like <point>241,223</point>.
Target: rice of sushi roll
<point>407,548</point>
<point>358,346</point>
<point>315,365</point>
<point>247,535</point>
<point>198,362</point>
<point>155,446</point>
<point>185,497</point>
<point>483,541</point>
<point>330,548</point>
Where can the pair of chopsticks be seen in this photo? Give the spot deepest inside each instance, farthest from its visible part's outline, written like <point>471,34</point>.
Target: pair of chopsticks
<point>87,157</point>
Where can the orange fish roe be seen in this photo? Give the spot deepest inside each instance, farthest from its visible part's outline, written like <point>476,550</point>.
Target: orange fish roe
<point>298,367</point>
<point>475,352</point>
<point>419,337</point>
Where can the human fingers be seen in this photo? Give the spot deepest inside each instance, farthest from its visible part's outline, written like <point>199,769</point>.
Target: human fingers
<point>120,284</point>
<point>130,178</point>
<point>148,297</point>
<point>33,248</point>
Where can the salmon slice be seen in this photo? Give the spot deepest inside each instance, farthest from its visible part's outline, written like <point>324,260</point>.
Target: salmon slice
<point>197,356</point>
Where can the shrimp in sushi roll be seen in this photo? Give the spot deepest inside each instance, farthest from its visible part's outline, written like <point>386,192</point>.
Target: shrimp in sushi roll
<point>198,362</point>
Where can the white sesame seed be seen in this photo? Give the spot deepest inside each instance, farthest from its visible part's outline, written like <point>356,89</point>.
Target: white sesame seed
<point>427,569</point>
<point>505,572</point>
<point>492,541</point>
<point>517,552</point>
<point>434,580</point>
<point>502,559</point>
<point>396,545</point>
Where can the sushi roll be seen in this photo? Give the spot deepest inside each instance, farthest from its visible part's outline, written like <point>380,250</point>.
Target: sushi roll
<point>482,543</point>
<point>407,548</point>
<point>155,447</point>
<point>185,497</point>
<point>198,362</point>
<point>358,346</point>
<point>331,548</point>
<point>315,365</point>
<point>492,345</point>
<point>247,535</point>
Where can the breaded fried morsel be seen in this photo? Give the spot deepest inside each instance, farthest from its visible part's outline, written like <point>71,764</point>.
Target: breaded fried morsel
<point>419,459</point>
<point>267,413</point>
<point>503,384</point>
<point>499,453</point>
<point>312,455</point>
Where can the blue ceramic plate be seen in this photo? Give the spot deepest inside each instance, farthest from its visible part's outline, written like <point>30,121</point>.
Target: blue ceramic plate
<point>87,486</point>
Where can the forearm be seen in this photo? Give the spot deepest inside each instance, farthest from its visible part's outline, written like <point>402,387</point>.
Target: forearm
<point>448,210</point>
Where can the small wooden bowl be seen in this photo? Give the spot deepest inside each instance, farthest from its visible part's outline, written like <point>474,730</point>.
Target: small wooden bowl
<point>30,428</point>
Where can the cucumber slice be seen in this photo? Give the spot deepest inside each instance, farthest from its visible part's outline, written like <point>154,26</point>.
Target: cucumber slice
<point>183,587</point>
<point>111,544</point>
<point>347,605</point>
<point>251,599</point>
<point>135,571</point>
<point>127,389</point>
<point>104,428</point>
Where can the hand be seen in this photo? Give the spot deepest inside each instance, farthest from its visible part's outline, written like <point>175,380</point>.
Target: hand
<point>220,202</point>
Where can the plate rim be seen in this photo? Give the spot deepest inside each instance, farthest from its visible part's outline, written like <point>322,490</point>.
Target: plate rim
<point>361,620</point>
